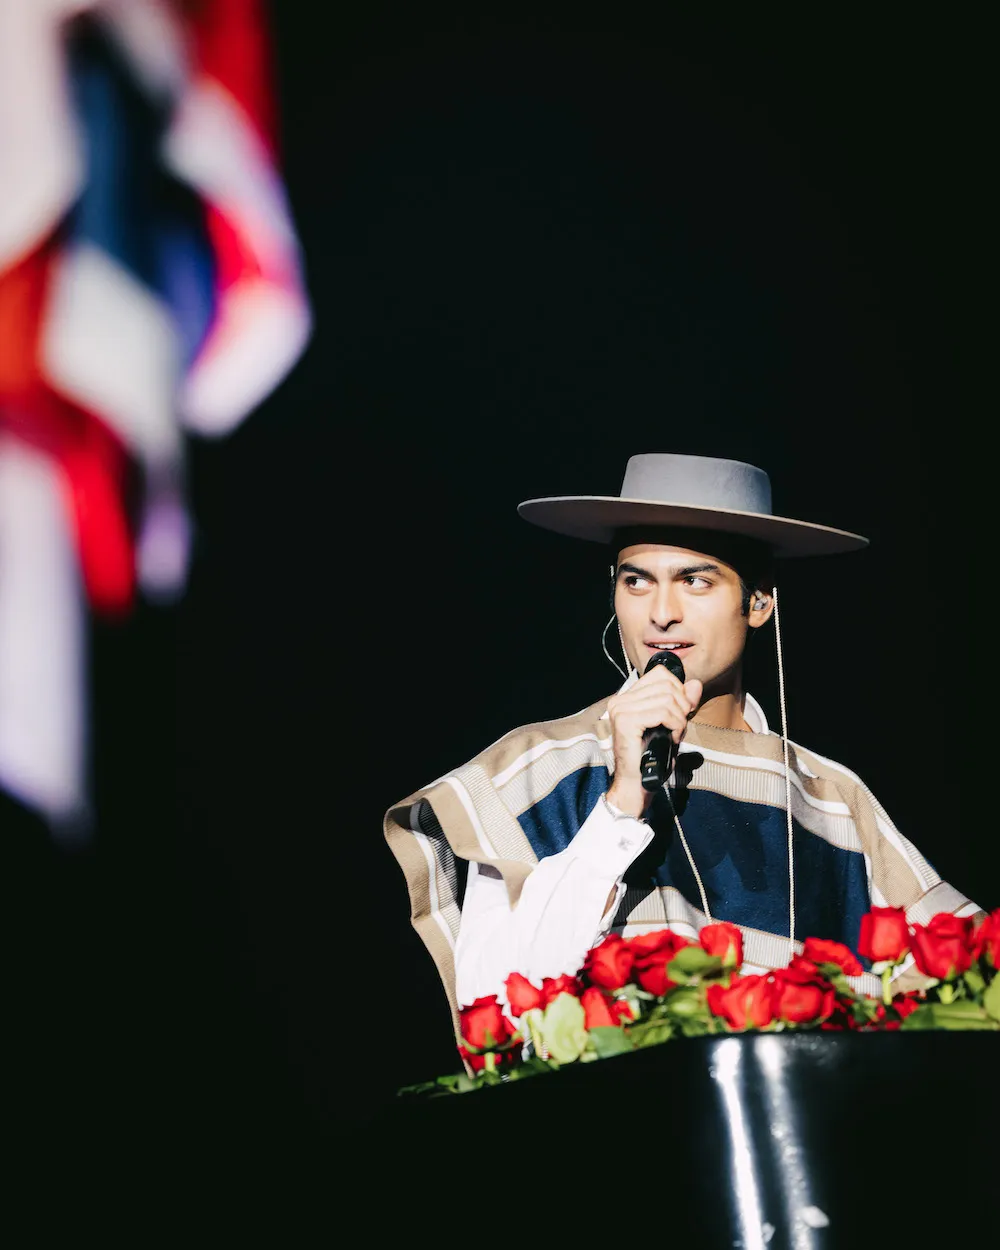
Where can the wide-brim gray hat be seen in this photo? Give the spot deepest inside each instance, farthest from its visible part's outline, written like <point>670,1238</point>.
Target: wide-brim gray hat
<point>662,489</point>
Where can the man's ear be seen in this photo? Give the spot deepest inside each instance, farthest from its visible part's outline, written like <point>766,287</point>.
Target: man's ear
<point>761,608</point>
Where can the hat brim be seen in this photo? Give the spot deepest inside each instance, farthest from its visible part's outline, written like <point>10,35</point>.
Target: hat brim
<point>595,518</point>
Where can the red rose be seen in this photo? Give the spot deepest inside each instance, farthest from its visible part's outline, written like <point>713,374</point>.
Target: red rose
<point>821,951</point>
<point>748,1003</point>
<point>904,1005</point>
<point>621,1011</point>
<point>943,947</point>
<point>651,954</point>
<point>484,1026</point>
<point>884,935</point>
<point>552,987</point>
<point>596,1009</point>
<point>501,1059</point>
<point>725,940</point>
<point>802,971</point>
<point>986,939</point>
<point>842,1018</point>
<point>801,998</point>
<point>610,963</point>
<point>521,994</point>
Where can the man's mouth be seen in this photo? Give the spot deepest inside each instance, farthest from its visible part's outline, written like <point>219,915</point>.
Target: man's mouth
<point>669,646</point>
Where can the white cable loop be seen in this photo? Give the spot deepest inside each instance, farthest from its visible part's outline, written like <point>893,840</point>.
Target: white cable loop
<point>690,857</point>
<point>604,646</point>
<point>625,653</point>
<point>788,778</point>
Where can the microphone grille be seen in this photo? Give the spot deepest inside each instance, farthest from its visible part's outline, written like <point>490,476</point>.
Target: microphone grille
<point>671,661</point>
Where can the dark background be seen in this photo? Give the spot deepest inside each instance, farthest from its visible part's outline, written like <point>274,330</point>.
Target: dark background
<point>533,249</point>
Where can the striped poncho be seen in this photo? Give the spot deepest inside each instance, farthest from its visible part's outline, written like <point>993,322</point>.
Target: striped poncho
<point>526,796</point>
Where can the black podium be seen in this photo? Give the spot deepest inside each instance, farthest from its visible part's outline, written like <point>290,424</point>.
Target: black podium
<point>759,1141</point>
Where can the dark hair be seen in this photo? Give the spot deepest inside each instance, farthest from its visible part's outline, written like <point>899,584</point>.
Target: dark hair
<point>753,560</point>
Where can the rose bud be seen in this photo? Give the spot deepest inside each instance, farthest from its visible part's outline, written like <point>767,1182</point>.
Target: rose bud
<point>747,1003</point>
<point>522,996</point>
<point>725,940</point>
<point>596,1009</point>
<point>942,947</point>
<point>552,987</point>
<point>483,1024</point>
<point>610,964</point>
<point>822,951</point>
<point>651,954</point>
<point>884,936</point>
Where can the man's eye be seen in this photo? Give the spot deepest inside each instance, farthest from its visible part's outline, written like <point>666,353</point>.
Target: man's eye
<point>634,582</point>
<point>697,582</point>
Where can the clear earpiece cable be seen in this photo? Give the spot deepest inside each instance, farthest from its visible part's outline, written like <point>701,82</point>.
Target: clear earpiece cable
<point>621,643</point>
<point>788,778</point>
<point>604,647</point>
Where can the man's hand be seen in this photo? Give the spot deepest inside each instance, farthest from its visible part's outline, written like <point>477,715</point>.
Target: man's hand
<point>657,698</point>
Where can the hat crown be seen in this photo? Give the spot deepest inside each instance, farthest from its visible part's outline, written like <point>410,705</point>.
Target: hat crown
<point>699,481</point>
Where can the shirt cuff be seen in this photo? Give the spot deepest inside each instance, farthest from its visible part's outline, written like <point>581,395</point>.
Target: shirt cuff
<point>609,840</point>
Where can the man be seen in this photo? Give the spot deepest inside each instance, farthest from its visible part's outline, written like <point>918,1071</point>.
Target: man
<point>531,853</point>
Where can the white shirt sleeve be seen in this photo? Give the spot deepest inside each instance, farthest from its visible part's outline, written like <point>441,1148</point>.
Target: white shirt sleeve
<point>561,914</point>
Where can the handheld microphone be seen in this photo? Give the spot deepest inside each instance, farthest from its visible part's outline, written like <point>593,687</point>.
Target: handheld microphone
<point>657,759</point>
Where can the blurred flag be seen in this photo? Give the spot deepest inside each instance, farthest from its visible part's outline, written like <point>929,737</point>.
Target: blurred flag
<point>150,283</point>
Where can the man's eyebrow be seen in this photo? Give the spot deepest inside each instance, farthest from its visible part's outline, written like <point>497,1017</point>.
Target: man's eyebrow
<point>691,569</point>
<point>687,571</point>
<point>634,568</point>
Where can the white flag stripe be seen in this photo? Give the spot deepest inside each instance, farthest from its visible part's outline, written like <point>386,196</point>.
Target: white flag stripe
<point>41,638</point>
<point>152,41</point>
<point>262,327</point>
<point>109,344</point>
<point>40,165</point>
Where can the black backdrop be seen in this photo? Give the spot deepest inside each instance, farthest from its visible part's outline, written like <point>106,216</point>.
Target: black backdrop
<point>533,249</point>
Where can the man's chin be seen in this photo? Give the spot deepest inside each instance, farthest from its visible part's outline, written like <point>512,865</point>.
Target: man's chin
<point>718,685</point>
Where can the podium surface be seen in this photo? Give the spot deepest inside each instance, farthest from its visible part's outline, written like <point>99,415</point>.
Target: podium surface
<point>801,1139</point>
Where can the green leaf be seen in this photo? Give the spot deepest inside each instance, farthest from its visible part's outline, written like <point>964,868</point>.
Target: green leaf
<point>922,1018</point>
<point>991,999</point>
<point>960,1008</point>
<point>563,1029</point>
<point>956,1016</point>
<point>609,1040</point>
<point>837,978</point>
<point>452,1083</point>
<point>974,981</point>
<point>535,1066</point>
<point>864,1010</point>
<point>686,1002</point>
<point>530,1067</point>
<point>692,961</point>
<point>651,1034</point>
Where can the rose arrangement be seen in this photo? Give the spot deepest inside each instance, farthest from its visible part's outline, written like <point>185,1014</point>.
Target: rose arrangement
<point>642,991</point>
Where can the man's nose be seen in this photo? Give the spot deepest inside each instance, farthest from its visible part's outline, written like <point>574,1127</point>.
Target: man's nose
<point>666,608</point>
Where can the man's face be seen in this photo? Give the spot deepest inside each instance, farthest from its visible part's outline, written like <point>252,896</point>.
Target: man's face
<point>687,601</point>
